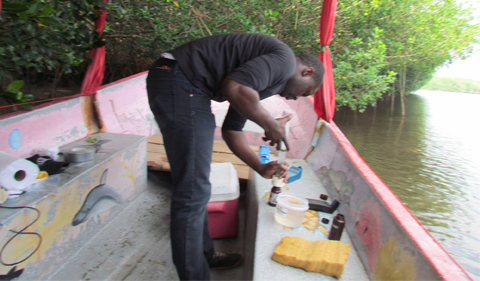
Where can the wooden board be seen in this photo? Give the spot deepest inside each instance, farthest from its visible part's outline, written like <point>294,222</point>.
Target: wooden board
<point>157,158</point>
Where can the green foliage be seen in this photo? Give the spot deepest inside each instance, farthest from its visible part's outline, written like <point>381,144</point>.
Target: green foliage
<point>13,94</point>
<point>358,72</point>
<point>373,42</point>
<point>139,31</point>
<point>453,85</point>
<point>44,38</point>
<point>91,140</point>
<point>420,35</point>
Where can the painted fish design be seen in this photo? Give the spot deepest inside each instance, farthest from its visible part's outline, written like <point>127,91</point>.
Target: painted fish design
<point>98,200</point>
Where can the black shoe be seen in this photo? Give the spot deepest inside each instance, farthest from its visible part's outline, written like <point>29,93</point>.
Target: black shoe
<point>225,261</point>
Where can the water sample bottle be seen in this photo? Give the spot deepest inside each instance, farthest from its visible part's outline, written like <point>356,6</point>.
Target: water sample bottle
<point>276,190</point>
<point>337,227</point>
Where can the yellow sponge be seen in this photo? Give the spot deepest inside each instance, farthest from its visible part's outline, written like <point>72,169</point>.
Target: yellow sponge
<point>324,256</point>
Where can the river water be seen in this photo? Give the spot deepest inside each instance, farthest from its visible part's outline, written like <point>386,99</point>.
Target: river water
<point>431,160</point>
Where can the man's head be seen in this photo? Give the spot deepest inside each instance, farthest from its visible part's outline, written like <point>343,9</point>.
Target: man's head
<point>306,80</point>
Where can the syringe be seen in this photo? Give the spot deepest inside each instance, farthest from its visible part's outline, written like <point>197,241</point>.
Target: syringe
<point>282,152</point>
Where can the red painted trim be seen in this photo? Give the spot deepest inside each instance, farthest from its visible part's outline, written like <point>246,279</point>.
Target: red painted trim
<point>36,107</point>
<point>445,265</point>
<point>123,80</point>
<point>39,101</point>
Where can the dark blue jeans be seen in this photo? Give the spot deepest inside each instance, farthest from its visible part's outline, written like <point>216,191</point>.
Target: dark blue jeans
<point>185,118</point>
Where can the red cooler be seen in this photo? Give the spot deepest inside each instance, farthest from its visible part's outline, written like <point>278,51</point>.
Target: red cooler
<point>223,205</point>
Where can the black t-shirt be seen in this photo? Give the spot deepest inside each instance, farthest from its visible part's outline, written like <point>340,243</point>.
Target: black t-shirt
<point>258,61</point>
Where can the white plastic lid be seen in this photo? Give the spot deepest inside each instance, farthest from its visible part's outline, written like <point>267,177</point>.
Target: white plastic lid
<point>292,202</point>
<point>224,180</point>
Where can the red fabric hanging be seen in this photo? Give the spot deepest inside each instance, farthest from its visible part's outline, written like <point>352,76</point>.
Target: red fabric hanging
<point>325,97</point>
<point>95,71</point>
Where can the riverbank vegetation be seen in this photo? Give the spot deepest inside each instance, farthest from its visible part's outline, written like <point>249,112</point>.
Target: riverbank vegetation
<point>379,47</point>
<point>453,85</point>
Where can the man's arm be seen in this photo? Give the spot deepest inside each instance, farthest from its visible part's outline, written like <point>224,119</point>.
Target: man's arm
<point>237,143</point>
<point>246,101</point>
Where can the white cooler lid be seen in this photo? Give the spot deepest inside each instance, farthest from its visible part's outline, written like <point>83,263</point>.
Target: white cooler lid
<point>224,180</point>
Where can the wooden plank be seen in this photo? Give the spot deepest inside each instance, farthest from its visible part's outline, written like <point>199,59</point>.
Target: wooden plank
<point>226,157</point>
<point>221,146</point>
<point>216,156</point>
<point>157,161</point>
<point>158,148</point>
<point>160,157</point>
<point>157,158</point>
<point>157,138</point>
<point>242,171</point>
<point>218,145</point>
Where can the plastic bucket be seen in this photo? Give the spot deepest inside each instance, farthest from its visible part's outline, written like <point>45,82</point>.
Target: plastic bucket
<point>290,210</point>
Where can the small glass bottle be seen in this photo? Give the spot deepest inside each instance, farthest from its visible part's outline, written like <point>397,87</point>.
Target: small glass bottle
<point>276,190</point>
<point>337,227</point>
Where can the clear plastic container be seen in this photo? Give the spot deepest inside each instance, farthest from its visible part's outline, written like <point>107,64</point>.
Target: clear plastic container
<point>290,210</point>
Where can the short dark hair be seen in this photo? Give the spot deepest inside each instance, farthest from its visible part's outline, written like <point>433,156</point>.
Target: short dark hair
<point>317,65</point>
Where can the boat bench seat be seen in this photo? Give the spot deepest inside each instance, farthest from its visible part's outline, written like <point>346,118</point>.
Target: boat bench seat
<point>65,211</point>
<point>157,158</point>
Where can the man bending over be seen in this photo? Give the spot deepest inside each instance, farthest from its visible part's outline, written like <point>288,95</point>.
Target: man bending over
<point>242,69</point>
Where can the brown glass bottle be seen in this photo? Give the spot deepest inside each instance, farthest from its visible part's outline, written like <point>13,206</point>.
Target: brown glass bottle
<point>276,190</point>
<point>337,227</point>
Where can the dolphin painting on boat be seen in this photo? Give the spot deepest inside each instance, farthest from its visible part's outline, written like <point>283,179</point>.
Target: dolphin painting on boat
<point>98,200</point>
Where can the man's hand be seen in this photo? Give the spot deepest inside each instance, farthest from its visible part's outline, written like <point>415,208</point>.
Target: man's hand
<point>276,133</point>
<point>268,170</point>
<point>237,143</point>
<point>246,101</point>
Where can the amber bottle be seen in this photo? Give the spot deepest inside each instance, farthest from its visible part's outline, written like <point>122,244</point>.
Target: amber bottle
<point>337,227</point>
<point>276,190</point>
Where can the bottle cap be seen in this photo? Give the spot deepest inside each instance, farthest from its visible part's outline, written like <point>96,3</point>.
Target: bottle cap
<point>340,217</point>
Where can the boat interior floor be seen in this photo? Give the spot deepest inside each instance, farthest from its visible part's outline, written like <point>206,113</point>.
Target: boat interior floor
<point>135,245</point>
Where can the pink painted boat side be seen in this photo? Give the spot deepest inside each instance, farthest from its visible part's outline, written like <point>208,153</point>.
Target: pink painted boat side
<point>123,107</point>
<point>384,209</point>
<point>45,127</point>
<point>302,124</point>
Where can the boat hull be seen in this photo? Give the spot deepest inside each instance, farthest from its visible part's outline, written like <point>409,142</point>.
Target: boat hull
<point>390,241</point>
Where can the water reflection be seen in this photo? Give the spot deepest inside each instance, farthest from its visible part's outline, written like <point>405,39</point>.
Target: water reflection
<point>431,160</point>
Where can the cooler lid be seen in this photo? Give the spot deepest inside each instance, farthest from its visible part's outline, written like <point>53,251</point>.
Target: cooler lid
<point>224,180</point>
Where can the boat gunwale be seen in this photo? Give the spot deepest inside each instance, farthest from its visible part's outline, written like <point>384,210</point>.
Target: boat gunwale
<point>432,250</point>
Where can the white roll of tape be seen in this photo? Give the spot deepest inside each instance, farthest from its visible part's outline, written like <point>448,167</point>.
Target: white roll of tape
<point>79,154</point>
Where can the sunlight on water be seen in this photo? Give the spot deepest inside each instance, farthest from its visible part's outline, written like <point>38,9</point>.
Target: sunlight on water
<point>431,160</point>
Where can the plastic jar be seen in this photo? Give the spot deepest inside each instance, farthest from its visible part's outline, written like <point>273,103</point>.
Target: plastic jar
<point>290,210</point>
